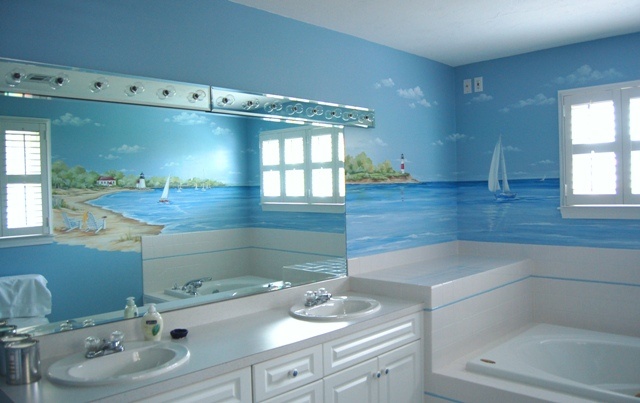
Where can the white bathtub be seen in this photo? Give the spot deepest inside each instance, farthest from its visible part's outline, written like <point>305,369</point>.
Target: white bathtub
<point>231,287</point>
<point>599,366</point>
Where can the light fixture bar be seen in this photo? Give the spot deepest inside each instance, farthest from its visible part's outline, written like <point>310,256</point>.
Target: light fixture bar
<point>39,79</point>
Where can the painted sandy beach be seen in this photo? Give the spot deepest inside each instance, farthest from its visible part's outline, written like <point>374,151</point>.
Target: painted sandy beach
<point>121,233</point>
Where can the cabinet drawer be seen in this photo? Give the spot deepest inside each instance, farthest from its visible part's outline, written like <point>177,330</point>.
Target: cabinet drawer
<point>282,374</point>
<point>350,350</point>
<point>232,387</point>
<point>312,393</point>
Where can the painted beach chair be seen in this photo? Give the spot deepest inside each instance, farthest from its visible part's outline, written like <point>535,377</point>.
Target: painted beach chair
<point>70,223</point>
<point>95,225</point>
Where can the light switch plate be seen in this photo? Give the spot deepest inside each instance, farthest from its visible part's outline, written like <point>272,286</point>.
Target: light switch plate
<point>477,84</point>
<point>467,86</point>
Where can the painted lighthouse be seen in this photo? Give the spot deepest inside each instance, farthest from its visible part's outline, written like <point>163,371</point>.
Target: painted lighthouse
<point>141,184</point>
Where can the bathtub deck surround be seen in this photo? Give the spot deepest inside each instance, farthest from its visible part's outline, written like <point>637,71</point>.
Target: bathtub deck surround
<point>226,342</point>
<point>478,295</point>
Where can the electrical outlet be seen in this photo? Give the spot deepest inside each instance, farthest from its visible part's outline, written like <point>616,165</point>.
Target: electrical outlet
<point>477,84</point>
<point>467,86</point>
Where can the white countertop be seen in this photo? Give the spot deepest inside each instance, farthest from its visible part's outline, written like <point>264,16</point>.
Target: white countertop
<point>217,348</point>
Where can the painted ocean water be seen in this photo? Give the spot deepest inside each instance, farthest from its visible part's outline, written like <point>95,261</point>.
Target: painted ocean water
<point>384,218</point>
<point>213,209</point>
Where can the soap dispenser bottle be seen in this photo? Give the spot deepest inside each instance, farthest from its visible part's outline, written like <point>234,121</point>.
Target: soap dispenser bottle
<point>152,324</point>
<point>131,310</point>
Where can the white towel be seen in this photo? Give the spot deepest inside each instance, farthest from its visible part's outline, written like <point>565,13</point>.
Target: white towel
<point>24,296</point>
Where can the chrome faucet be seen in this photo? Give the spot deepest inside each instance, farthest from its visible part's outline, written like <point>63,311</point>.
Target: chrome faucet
<point>313,298</point>
<point>192,286</point>
<point>97,347</point>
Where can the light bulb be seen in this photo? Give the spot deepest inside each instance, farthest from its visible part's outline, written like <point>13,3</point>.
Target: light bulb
<point>166,92</point>
<point>15,77</point>
<point>196,96</point>
<point>58,81</point>
<point>134,89</point>
<point>333,114</point>
<point>347,116</point>
<point>251,104</point>
<point>227,100</point>
<point>99,85</point>
<point>315,111</point>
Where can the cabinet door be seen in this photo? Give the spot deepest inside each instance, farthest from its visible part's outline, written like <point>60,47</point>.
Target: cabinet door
<point>234,387</point>
<point>401,379</point>
<point>358,384</point>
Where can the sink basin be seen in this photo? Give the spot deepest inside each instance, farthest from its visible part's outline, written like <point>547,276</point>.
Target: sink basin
<point>337,309</point>
<point>140,360</point>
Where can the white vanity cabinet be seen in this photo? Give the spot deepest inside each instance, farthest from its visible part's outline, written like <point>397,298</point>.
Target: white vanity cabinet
<point>233,387</point>
<point>382,364</point>
<point>393,377</point>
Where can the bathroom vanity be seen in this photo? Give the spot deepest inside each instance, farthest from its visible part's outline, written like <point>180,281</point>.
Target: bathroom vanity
<point>269,356</point>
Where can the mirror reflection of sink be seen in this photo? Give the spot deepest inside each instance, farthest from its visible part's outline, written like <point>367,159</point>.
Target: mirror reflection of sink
<point>139,360</point>
<point>337,309</point>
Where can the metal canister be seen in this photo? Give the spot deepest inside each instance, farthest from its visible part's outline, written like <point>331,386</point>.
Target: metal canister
<point>4,340</point>
<point>23,362</point>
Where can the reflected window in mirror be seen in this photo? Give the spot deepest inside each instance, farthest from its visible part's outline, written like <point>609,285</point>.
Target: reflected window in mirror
<point>302,169</point>
<point>25,181</point>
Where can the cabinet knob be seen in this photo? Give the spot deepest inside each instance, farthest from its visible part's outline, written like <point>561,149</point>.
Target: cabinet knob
<point>377,374</point>
<point>293,373</point>
<point>386,371</point>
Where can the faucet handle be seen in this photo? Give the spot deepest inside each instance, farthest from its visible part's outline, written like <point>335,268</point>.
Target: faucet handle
<point>116,336</point>
<point>92,343</point>
<point>310,297</point>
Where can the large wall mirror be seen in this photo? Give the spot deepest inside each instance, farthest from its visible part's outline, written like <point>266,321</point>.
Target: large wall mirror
<point>163,202</point>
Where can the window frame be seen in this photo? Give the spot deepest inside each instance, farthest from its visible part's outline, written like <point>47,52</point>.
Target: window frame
<point>37,235</point>
<point>623,204</point>
<point>307,202</point>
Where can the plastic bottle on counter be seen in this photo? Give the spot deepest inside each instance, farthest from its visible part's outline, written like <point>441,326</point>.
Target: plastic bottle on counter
<point>131,310</point>
<point>152,324</point>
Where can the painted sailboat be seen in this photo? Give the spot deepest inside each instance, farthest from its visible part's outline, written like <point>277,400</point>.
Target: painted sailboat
<point>164,198</point>
<point>499,169</point>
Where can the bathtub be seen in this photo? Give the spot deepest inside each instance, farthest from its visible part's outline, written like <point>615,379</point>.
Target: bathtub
<point>598,366</point>
<point>231,287</point>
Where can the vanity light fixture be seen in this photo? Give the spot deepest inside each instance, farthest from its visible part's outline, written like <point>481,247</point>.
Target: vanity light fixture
<point>196,96</point>
<point>226,100</point>
<point>15,77</point>
<point>166,92</point>
<point>99,84</point>
<point>134,89</point>
<point>58,81</point>
<point>294,109</point>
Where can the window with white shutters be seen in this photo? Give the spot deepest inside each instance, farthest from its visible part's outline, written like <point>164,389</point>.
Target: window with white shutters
<point>600,151</point>
<point>24,181</point>
<point>302,169</point>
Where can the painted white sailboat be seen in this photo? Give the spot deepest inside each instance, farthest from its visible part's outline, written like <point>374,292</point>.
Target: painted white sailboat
<point>499,169</point>
<point>164,198</point>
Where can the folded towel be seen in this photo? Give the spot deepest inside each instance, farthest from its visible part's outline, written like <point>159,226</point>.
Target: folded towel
<point>24,296</point>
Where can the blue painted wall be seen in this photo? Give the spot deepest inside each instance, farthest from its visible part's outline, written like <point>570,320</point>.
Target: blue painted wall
<point>519,103</point>
<point>421,112</point>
